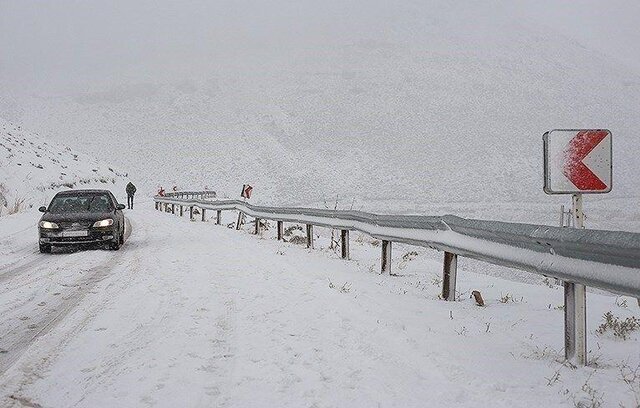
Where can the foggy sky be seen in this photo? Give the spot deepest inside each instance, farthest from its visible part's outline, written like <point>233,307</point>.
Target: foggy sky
<point>58,45</point>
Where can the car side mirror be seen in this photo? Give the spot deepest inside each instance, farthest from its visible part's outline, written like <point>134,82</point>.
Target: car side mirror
<point>120,207</point>
<point>42,209</point>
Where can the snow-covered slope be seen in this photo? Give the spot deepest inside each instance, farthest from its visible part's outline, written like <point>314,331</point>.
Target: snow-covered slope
<point>32,169</point>
<point>409,105</point>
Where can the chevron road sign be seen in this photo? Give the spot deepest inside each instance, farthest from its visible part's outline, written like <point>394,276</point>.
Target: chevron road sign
<point>577,161</point>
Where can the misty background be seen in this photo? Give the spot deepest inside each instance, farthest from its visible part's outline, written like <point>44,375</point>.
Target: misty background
<point>401,104</point>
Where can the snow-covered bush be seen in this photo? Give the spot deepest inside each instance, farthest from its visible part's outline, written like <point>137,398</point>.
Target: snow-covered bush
<point>621,329</point>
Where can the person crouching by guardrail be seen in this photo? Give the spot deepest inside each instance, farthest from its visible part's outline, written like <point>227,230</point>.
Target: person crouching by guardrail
<point>131,191</point>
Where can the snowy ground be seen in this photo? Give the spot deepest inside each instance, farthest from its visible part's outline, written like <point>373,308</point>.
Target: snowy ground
<point>197,315</point>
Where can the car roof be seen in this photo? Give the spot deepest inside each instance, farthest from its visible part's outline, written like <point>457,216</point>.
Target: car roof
<point>83,191</point>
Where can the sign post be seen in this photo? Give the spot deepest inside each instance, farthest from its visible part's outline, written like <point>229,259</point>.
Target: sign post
<point>246,194</point>
<point>577,162</point>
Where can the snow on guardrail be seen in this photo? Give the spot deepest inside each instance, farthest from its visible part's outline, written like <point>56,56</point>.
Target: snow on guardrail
<point>608,260</point>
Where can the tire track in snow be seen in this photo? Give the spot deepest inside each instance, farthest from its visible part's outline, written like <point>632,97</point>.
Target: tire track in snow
<point>16,268</point>
<point>31,370</point>
<point>14,342</point>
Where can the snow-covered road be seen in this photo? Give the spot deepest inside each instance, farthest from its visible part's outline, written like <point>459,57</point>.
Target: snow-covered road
<point>189,314</point>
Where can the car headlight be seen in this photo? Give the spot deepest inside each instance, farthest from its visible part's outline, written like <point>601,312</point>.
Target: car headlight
<point>48,225</point>
<point>103,223</point>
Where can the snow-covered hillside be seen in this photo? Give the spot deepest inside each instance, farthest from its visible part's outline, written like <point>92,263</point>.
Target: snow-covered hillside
<point>32,169</point>
<point>412,104</point>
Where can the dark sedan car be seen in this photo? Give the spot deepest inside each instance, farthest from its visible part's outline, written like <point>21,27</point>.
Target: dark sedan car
<point>82,217</point>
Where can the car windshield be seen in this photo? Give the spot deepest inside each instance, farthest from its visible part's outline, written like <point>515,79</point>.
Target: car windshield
<point>93,203</point>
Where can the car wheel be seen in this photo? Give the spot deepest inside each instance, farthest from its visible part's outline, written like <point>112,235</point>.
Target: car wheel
<point>45,249</point>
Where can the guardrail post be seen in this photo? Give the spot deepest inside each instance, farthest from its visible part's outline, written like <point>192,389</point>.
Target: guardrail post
<point>239,223</point>
<point>181,210</point>
<point>280,230</point>
<point>218,217</point>
<point>257,230</point>
<point>191,212</point>
<point>385,263</point>
<point>309,236</point>
<point>344,243</point>
<point>449,275</point>
<point>575,323</point>
<point>203,211</point>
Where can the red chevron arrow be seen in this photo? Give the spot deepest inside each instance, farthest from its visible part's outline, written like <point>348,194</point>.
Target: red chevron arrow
<point>574,168</point>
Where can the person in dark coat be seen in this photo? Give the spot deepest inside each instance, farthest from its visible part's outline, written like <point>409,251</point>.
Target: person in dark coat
<point>131,191</point>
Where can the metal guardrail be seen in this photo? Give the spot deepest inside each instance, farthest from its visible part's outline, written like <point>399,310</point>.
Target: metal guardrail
<point>608,260</point>
<point>191,194</point>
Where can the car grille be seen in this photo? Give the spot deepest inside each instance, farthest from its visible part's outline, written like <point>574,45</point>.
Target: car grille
<point>75,225</point>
